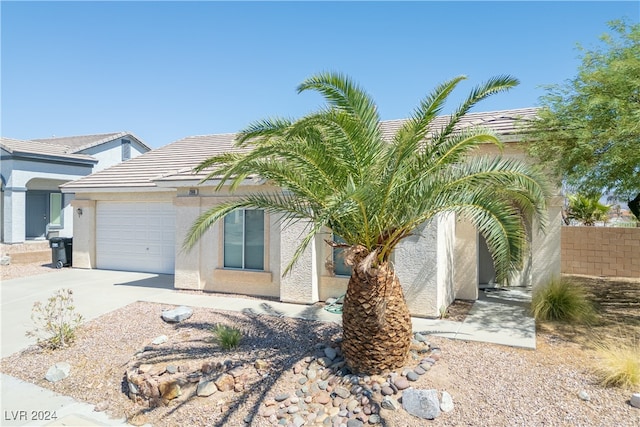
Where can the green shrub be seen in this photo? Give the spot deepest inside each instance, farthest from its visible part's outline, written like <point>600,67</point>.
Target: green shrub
<point>56,321</point>
<point>562,301</point>
<point>228,337</point>
<point>619,362</point>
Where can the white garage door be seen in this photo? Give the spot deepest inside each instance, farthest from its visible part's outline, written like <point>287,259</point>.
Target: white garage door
<point>136,237</point>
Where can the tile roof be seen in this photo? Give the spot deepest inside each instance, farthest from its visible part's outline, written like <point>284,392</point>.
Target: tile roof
<point>175,161</point>
<point>78,143</point>
<point>40,148</point>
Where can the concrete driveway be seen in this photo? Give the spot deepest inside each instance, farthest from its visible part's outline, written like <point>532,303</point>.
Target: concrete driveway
<point>95,292</point>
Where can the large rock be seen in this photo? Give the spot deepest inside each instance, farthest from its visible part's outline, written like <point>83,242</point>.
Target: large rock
<point>421,403</point>
<point>178,314</point>
<point>58,372</point>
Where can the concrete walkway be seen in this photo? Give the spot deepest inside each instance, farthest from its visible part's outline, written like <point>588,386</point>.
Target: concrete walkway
<point>498,317</point>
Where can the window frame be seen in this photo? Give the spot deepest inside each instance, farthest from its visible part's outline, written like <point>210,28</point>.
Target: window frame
<point>338,259</point>
<point>244,243</point>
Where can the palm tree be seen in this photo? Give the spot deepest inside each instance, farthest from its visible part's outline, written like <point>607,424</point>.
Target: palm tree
<point>587,209</point>
<point>338,171</point>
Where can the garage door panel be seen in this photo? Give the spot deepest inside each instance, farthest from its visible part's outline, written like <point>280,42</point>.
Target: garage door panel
<point>136,236</point>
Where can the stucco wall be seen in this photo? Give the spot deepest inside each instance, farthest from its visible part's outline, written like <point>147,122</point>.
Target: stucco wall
<point>416,263</point>
<point>601,251</point>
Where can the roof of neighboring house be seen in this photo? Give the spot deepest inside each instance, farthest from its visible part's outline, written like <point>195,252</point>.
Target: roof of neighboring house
<point>175,161</point>
<point>39,149</point>
<point>74,144</point>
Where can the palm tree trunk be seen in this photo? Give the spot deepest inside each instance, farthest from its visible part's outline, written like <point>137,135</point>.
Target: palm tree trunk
<point>376,321</point>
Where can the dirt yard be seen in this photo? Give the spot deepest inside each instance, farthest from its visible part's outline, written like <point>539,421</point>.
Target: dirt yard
<point>490,384</point>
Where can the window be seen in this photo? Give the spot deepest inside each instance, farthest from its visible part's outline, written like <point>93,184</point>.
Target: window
<point>126,149</point>
<point>339,266</point>
<point>244,239</point>
<point>55,209</point>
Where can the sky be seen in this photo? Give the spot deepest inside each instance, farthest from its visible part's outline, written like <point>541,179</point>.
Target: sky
<point>167,70</point>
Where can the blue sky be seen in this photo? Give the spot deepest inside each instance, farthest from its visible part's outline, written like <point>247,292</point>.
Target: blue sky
<point>166,70</point>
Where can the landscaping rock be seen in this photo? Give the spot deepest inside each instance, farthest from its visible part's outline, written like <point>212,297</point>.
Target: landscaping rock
<point>421,403</point>
<point>401,383</point>
<point>389,404</point>
<point>206,388</point>
<point>160,340</point>
<point>58,372</point>
<point>419,337</point>
<point>635,400</point>
<point>5,260</point>
<point>177,314</point>
<point>446,402</point>
<point>330,352</point>
<point>225,382</point>
<point>584,395</point>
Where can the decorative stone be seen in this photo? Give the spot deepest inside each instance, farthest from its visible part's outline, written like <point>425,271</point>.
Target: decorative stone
<point>342,392</point>
<point>281,397</point>
<point>322,398</point>
<point>172,369</point>
<point>446,402</point>
<point>298,421</point>
<point>261,365</point>
<point>293,409</point>
<point>169,390</point>
<point>421,403</point>
<point>58,372</point>
<point>206,388</point>
<point>177,314</point>
<point>225,382</point>
<point>330,352</point>
<point>419,337</point>
<point>386,391</point>
<point>374,419</point>
<point>635,400</point>
<point>584,395</point>
<point>418,370</point>
<point>401,383</point>
<point>354,423</point>
<point>411,376</point>
<point>5,260</point>
<point>389,404</point>
<point>160,340</point>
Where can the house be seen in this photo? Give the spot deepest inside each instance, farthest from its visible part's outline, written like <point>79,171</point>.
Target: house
<point>135,215</point>
<point>32,206</point>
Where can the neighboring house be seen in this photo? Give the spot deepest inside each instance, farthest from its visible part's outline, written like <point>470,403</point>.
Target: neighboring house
<point>134,216</point>
<point>32,207</point>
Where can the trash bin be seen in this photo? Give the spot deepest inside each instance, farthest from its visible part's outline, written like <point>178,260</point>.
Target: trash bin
<point>61,251</point>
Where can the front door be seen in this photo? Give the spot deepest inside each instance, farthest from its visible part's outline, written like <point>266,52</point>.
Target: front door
<point>37,214</point>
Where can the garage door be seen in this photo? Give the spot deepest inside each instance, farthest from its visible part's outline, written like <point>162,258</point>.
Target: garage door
<point>136,237</point>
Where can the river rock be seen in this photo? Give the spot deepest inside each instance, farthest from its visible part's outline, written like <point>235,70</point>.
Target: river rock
<point>160,340</point>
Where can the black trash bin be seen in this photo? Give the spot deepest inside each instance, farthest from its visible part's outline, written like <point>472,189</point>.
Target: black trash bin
<point>61,251</point>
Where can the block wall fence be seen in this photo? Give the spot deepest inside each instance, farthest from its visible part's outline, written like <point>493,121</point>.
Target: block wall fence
<point>601,251</point>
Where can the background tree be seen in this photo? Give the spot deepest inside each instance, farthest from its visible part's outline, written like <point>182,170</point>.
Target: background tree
<point>586,209</point>
<point>336,171</point>
<point>589,127</point>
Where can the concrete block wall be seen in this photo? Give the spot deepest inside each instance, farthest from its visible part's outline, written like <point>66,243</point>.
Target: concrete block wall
<point>601,251</point>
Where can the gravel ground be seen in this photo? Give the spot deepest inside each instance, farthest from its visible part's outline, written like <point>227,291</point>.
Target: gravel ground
<point>490,385</point>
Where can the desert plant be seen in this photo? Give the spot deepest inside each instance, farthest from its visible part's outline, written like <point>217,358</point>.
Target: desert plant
<point>562,301</point>
<point>618,362</point>
<point>228,337</point>
<point>587,209</point>
<point>339,171</point>
<point>56,321</point>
